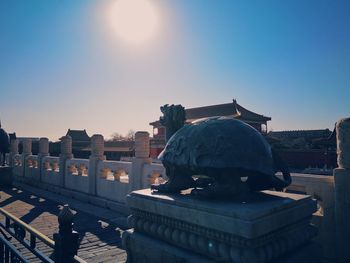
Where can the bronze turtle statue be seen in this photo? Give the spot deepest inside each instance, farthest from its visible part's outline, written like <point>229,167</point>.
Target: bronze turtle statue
<point>225,151</point>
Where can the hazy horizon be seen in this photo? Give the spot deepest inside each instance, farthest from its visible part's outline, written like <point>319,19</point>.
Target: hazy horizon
<point>74,64</point>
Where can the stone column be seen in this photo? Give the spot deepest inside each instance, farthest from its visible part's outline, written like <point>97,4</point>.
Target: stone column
<point>142,150</point>
<point>97,155</point>
<point>27,150</point>
<point>13,151</point>
<point>66,153</point>
<point>43,152</point>
<point>342,190</point>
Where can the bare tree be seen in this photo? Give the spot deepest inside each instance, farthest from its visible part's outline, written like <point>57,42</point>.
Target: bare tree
<point>130,136</point>
<point>117,137</point>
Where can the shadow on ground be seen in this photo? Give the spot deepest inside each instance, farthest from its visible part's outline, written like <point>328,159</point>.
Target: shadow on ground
<point>97,236</point>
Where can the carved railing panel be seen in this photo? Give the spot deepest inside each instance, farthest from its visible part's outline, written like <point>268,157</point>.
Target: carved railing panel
<point>77,172</point>
<point>17,165</point>
<point>50,170</point>
<point>31,168</point>
<point>113,180</point>
<point>153,173</point>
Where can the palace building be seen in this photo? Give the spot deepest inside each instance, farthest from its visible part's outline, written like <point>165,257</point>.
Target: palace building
<point>232,109</point>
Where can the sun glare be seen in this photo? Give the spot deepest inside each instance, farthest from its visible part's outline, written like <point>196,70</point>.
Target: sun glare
<point>134,21</point>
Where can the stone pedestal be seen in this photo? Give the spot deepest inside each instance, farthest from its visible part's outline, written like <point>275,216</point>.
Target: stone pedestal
<point>267,227</point>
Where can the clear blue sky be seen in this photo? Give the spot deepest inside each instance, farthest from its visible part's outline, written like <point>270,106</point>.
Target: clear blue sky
<point>61,65</point>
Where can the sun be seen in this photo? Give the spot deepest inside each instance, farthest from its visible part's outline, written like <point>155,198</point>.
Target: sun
<point>134,21</point>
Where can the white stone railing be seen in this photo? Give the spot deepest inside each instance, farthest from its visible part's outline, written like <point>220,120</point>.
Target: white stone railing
<point>50,170</point>
<point>76,175</point>
<point>31,168</point>
<point>321,187</point>
<point>77,167</point>
<point>112,181</point>
<point>153,173</point>
<point>86,178</point>
<point>114,171</point>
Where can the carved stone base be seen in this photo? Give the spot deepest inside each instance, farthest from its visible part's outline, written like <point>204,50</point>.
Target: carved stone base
<point>146,249</point>
<point>263,228</point>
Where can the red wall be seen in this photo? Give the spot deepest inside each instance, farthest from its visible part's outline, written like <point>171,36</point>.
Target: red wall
<point>301,159</point>
<point>154,152</point>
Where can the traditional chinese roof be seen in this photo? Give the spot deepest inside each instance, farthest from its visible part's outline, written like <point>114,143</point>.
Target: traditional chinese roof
<point>331,140</point>
<point>232,109</point>
<point>78,135</point>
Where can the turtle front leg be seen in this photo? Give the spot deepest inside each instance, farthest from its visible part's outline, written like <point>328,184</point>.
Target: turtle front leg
<point>224,186</point>
<point>178,180</point>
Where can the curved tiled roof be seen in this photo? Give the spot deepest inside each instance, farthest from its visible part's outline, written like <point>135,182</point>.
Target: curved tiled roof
<point>78,135</point>
<point>232,109</point>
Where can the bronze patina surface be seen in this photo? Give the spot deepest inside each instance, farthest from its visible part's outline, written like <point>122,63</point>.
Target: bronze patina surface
<point>222,151</point>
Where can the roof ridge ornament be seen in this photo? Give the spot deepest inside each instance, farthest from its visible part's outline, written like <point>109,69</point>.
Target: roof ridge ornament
<point>238,113</point>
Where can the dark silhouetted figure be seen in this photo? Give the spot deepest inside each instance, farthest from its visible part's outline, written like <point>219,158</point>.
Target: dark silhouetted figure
<point>4,145</point>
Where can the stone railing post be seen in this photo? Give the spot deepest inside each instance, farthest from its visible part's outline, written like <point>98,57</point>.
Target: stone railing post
<point>13,151</point>
<point>43,152</point>
<point>142,151</point>
<point>27,150</point>
<point>342,192</point>
<point>66,153</point>
<point>66,240</point>
<point>97,155</point>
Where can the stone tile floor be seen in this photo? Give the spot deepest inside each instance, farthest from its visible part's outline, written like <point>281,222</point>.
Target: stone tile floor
<point>99,229</point>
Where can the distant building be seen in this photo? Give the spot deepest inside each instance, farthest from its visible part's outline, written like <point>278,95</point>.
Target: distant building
<point>302,139</point>
<point>307,134</point>
<point>80,139</point>
<point>302,149</point>
<point>114,150</point>
<point>233,110</point>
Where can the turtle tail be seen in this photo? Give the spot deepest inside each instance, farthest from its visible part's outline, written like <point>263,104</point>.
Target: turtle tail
<point>281,166</point>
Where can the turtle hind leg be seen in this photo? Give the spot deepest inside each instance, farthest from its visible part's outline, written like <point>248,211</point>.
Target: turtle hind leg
<point>179,180</point>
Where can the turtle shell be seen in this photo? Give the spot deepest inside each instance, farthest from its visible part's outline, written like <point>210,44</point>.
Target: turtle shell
<point>218,143</point>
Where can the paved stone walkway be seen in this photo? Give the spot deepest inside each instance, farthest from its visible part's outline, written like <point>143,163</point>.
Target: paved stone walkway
<point>100,229</point>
